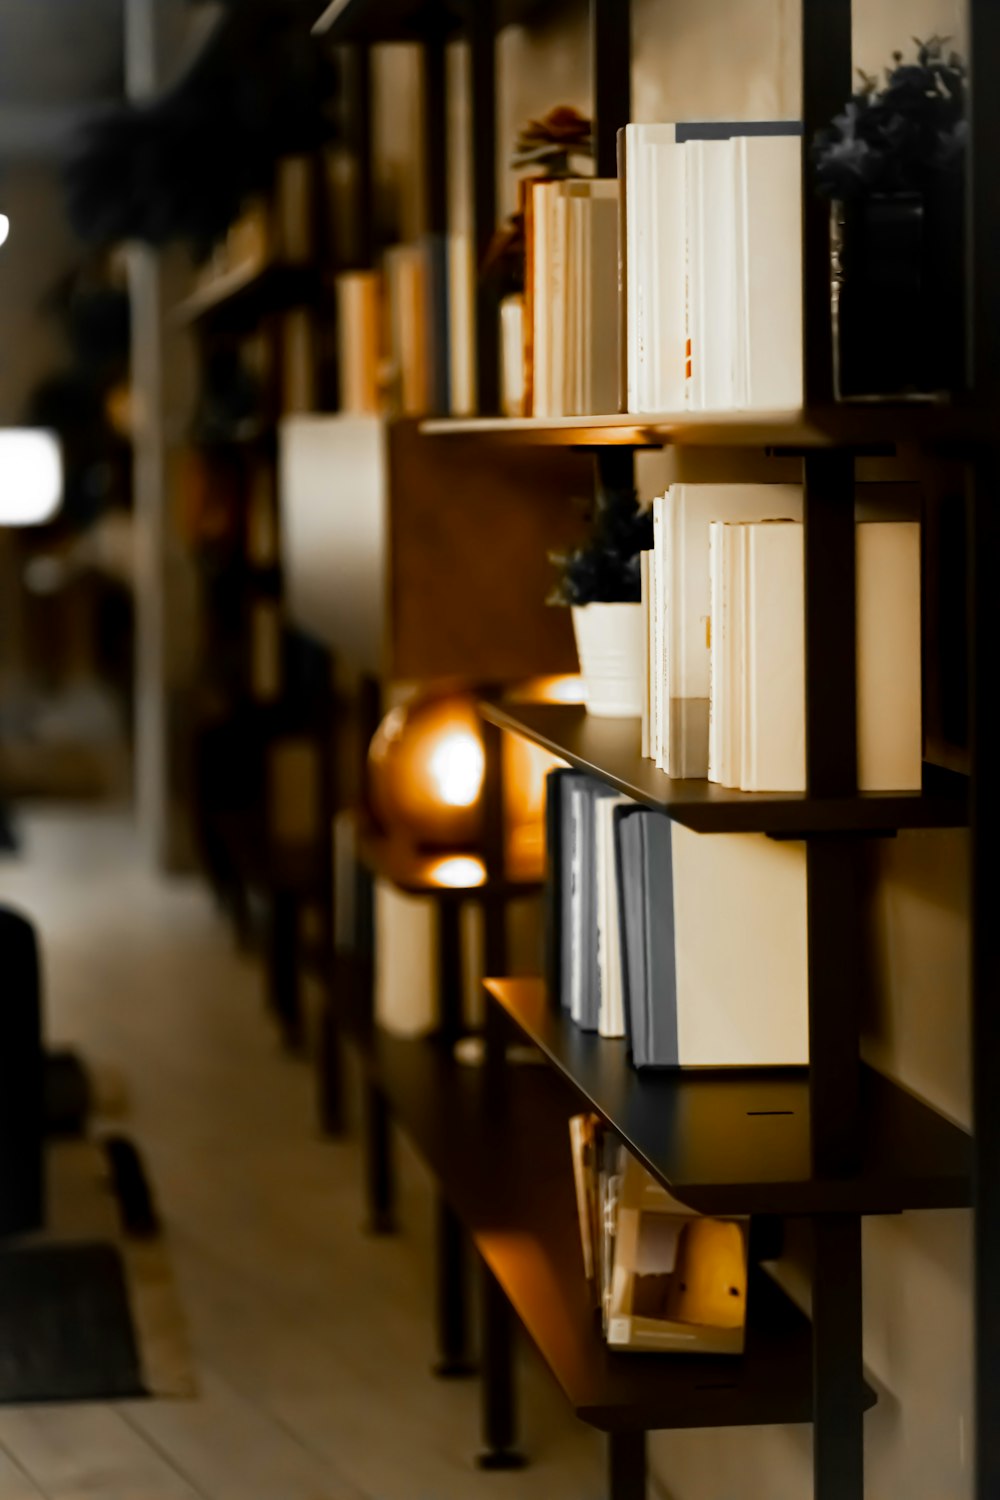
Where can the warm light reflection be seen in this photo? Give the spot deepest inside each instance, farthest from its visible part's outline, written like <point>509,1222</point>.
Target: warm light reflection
<point>567,689</point>
<point>457,766</point>
<point>459,872</point>
<point>427,767</point>
<point>31,476</point>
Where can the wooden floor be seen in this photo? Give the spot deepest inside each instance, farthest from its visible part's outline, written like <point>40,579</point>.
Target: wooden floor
<point>312,1340</point>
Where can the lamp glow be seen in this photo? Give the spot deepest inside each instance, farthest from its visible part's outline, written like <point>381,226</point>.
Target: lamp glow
<point>457,767</point>
<point>459,872</point>
<point>31,476</point>
<point>4,228</point>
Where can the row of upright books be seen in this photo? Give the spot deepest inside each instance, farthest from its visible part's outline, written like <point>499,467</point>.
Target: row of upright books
<point>692,948</point>
<point>724,612</point>
<point>663,1277</point>
<point>688,265</point>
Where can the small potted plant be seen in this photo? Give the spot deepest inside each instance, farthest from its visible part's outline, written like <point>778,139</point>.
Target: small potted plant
<point>600,583</point>
<point>893,163</point>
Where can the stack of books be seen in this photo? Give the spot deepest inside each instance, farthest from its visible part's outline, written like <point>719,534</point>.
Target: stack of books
<point>571,300</point>
<point>663,1277</point>
<point>723,602</point>
<point>386,337</point>
<point>692,948</point>
<point>711,270</point>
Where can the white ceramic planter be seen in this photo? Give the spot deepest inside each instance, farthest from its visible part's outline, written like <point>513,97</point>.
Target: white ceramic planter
<point>609,642</point>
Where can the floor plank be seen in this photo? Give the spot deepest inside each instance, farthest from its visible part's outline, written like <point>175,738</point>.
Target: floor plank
<point>313,1341</point>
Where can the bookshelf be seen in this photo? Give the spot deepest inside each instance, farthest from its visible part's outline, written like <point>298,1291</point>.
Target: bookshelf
<point>347,21</point>
<point>738,1140</point>
<point>878,427</point>
<point>609,750</point>
<point>507,1174</point>
<point>243,297</point>
<point>833,1143</point>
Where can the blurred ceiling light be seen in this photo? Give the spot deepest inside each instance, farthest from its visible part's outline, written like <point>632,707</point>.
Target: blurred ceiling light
<point>4,228</point>
<point>31,476</point>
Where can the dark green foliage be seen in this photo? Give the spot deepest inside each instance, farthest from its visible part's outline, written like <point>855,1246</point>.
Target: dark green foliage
<point>901,137</point>
<point>605,570</point>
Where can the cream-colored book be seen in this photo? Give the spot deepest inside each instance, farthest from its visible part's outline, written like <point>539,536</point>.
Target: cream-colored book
<point>717,711</point>
<point>690,510</point>
<point>888,639</point>
<point>890,727</point>
<point>656,627</point>
<point>774,724</point>
<point>769,271</point>
<point>644,561</point>
<point>611,1014</point>
<point>740,950</point>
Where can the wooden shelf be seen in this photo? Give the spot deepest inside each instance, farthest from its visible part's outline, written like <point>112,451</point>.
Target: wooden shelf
<point>240,299</point>
<point>461,875</point>
<point>505,1168</point>
<point>610,749</point>
<point>860,426</point>
<point>407,20</point>
<point>737,1141</point>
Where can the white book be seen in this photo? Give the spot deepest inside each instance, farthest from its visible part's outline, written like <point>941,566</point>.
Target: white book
<point>769,271</point>
<point>592,386</point>
<point>694,231</point>
<point>575,279</point>
<point>890,732</point>
<point>556,289</point>
<point>667,175</point>
<point>733,734</point>
<point>718,685</point>
<point>611,1016</point>
<point>687,672</point>
<point>543,194</point>
<point>658,625</point>
<point>715,273</point>
<point>774,723</point>
<point>640,261</point>
<point>644,561</point>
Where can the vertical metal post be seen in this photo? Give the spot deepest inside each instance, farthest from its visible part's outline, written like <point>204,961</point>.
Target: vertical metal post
<point>833,972</point>
<point>283,967</point>
<point>826,86</point>
<point>380,1176</point>
<point>831,771</point>
<point>482,42</point>
<point>982,285</point>
<point>453,1357</point>
<point>450,976</point>
<point>983,532</point>
<point>611,65</point>
<point>499,1394</point>
<point>627,1466</point>
<point>357,76</point>
<point>331,1092</point>
<point>452,1288</point>
<point>984,714</point>
<point>436,185</point>
<point>498,1379</point>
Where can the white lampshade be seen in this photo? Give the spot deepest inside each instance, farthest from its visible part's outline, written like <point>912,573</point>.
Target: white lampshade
<point>4,228</point>
<point>31,476</point>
